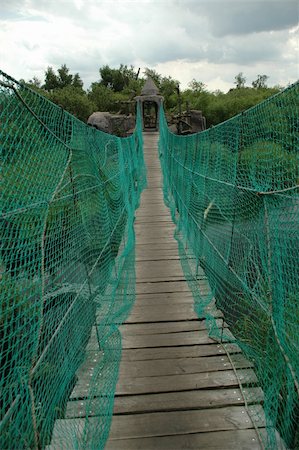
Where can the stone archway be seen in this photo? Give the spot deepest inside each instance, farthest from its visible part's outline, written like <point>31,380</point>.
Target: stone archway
<point>150,114</point>
<point>150,101</point>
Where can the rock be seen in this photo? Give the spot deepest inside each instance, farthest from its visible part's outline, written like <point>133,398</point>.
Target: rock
<point>100,120</point>
<point>198,121</point>
<point>118,124</point>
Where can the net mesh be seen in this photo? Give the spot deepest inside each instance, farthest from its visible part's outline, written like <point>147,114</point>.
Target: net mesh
<point>233,194</point>
<point>68,198</point>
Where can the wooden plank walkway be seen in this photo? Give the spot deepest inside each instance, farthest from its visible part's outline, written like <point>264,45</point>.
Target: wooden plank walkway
<point>177,388</point>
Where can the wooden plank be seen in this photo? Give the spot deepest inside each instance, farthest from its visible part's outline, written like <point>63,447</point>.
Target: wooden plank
<point>160,314</point>
<point>169,401</point>
<point>191,351</point>
<point>153,228</point>
<point>152,239</point>
<point>187,400</point>
<point>152,210</point>
<point>153,252</point>
<point>157,209</point>
<point>168,298</point>
<point>156,256</point>
<point>157,271</point>
<point>182,366</point>
<point>171,286</point>
<point>173,423</point>
<point>133,426</point>
<point>184,382</point>
<point>164,327</point>
<point>167,339</point>
<point>158,246</point>
<point>153,220</point>
<point>220,440</point>
<point>167,239</point>
<point>172,267</point>
<point>148,212</point>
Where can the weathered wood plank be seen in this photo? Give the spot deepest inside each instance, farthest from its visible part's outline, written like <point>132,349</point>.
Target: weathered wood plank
<point>220,440</point>
<point>133,426</point>
<point>152,239</point>
<point>167,339</point>
<point>167,299</point>
<point>164,327</point>
<point>170,286</point>
<point>160,314</point>
<point>184,382</point>
<point>158,270</point>
<point>158,246</point>
<point>169,401</point>
<point>153,220</point>
<point>154,228</point>
<point>149,313</point>
<point>155,239</point>
<point>173,423</point>
<point>179,401</point>
<point>156,256</point>
<point>182,365</point>
<point>154,253</point>
<point>191,351</point>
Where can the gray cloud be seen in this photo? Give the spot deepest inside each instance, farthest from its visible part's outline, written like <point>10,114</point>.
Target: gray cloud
<point>224,36</point>
<point>236,17</point>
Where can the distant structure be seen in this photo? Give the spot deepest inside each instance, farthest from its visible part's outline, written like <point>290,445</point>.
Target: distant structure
<point>150,102</point>
<point>118,124</point>
<point>187,122</point>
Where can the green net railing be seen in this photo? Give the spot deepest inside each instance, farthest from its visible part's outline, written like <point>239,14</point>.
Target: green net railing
<point>234,197</point>
<point>68,198</point>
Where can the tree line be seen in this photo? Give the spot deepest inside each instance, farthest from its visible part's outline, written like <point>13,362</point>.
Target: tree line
<point>116,87</point>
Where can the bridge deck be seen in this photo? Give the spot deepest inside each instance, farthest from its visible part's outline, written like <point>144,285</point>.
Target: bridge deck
<point>177,388</point>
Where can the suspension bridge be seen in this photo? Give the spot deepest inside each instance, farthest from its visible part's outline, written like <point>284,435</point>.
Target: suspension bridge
<point>167,319</point>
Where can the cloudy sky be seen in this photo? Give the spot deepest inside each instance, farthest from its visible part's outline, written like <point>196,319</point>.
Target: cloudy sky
<point>209,40</point>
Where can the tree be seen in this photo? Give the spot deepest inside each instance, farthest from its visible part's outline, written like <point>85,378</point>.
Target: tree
<point>152,73</point>
<point>240,80</point>
<point>62,79</point>
<point>77,82</point>
<point>169,89</point>
<point>74,101</point>
<point>117,79</point>
<point>101,96</point>
<point>260,82</point>
<point>35,82</point>
<point>197,86</point>
<point>51,79</point>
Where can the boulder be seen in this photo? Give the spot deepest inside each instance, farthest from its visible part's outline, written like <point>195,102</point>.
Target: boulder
<point>118,124</point>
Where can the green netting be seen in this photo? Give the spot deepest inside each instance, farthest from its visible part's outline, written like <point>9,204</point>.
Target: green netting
<point>68,198</point>
<point>233,194</point>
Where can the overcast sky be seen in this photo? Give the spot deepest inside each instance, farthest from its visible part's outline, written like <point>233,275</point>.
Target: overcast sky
<point>209,40</point>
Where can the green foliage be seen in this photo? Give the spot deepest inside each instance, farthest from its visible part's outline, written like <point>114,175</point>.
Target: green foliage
<point>218,107</point>
<point>152,73</point>
<point>233,195</point>
<point>66,260</point>
<point>62,79</point>
<point>74,100</point>
<point>118,86</point>
<point>240,80</point>
<point>51,80</point>
<point>260,82</point>
<point>197,86</point>
<point>105,99</point>
<point>117,79</point>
